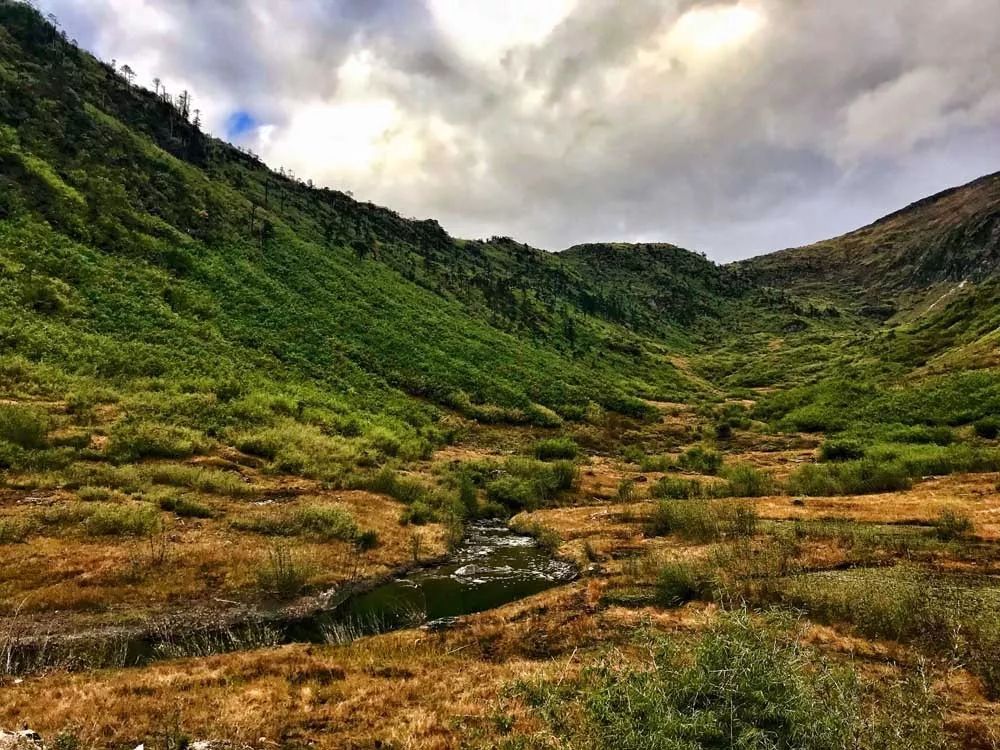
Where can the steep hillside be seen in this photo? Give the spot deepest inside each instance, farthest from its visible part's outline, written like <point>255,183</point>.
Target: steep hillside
<point>135,248</point>
<point>946,239</point>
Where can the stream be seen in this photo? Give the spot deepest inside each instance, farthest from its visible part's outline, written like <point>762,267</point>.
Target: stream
<point>492,566</point>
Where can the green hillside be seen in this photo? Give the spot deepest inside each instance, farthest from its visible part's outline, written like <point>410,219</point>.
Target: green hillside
<point>141,257</point>
<point>150,267</point>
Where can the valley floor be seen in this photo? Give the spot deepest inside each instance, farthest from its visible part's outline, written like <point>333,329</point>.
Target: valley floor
<point>469,685</point>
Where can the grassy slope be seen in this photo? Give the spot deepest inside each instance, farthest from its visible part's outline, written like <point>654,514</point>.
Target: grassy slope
<point>127,229</point>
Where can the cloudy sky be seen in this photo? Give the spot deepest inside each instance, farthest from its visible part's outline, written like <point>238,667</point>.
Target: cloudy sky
<point>732,127</point>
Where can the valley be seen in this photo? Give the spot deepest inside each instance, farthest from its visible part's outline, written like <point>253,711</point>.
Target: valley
<point>765,495</point>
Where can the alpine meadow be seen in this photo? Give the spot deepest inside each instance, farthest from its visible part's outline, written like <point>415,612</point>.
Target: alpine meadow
<point>283,468</point>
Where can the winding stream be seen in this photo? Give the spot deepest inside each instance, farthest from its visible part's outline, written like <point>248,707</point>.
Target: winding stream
<point>492,566</point>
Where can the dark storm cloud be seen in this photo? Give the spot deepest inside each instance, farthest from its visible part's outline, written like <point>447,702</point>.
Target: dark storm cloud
<point>732,127</point>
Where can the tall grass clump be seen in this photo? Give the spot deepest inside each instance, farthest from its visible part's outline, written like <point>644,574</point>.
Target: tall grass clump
<point>909,605</point>
<point>703,521</point>
<point>324,522</point>
<point>701,460</point>
<point>848,478</point>
<point>303,449</point>
<point>749,683</point>
<point>134,440</point>
<point>677,488</point>
<point>202,479</point>
<point>122,520</point>
<point>744,480</point>
<point>282,575</point>
<point>555,448</point>
<point>184,507</point>
<point>23,426</point>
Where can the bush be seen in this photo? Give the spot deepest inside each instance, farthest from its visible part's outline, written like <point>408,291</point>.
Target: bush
<point>701,460</point>
<point>23,426</point>
<point>513,493</point>
<point>988,428</point>
<point>14,532</point>
<point>201,479</point>
<point>185,508</point>
<point>131,441</point>
<point>841,450</point>
<point>553,448</point>
<point>366,540</point>
<point>680,582</point>
<point>951,524</point>
<point>848,478</point>
<point>526,484</point>
<point>122,520</point>
<point>324,522</point>
<point>674,488</point>
<point>744,480</point>
<point>388,482</point>
<point>94,494</point>
<point>703,521</point>
<point>626,491</point>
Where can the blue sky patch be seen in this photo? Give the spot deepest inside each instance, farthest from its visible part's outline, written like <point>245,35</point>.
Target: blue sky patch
<point>239,124</point>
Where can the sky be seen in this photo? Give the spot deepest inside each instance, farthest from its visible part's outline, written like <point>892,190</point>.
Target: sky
<point>734,127</point>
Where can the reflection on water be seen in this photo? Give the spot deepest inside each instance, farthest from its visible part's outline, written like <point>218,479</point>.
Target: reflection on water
<point>491,567</point>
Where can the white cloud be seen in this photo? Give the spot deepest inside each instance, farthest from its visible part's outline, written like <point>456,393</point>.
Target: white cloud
<point>731,126</point>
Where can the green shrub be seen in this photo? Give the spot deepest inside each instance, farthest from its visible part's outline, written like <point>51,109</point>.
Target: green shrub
<point>848,478</point>
<point>131,441</point>
<point>676,488</point>
<point>366,540</point>
<point>94,494</point>
<point>841,450</point>
<point>326,522</point>
<point>202,479</point>
<point>683,581</point>
<point>553,448</point>
<point>988,428</point>
<point>323,522</point>
<point>526,484</point>
<point>626,491</point>
<point>701,460</point>
<point>744,480</point>
<point>14,532</point>
<point>23,426</point>
<point>951,524</point>
<point>122,520</point>
<point>703,521</point>
<point>388,482</point>
<point>513,493</point>
<point>185,508</point>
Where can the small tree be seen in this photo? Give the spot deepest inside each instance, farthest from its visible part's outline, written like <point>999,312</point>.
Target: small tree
<point>128,74</point>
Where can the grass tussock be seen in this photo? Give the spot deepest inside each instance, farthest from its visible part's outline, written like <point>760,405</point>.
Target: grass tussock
<point>562,448</point>
<point>323,522</point>
<point>134,520</point>
<point>703,521</point>
<point>202,479</point>
<point>23,426</point>
<point>134,440</point>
